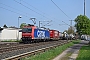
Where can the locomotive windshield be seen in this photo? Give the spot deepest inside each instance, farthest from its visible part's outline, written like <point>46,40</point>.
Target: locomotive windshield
<point>27,30</point>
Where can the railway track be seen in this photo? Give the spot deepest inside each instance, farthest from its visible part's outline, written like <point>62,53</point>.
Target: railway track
<point>9,51</point>
<point>13,47</point>
<point>7,44</point>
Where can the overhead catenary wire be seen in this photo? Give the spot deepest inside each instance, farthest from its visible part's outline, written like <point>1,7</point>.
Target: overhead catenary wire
<point>32,6</point>
<point>13,11</point>
<point>31,9</point>
<point>15,8</point>
<point>19,13</point>
<point>37,9</point>
<point>60,8</point>
<point>40,11</point>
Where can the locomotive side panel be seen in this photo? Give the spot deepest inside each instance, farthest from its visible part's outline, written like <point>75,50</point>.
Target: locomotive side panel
<point>41,34</point>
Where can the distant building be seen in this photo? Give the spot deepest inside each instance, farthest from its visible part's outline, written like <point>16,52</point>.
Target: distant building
<point>9,34</point>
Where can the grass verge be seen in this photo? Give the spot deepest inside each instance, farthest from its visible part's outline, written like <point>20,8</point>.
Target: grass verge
<point>84,53</point>
<point>11,41</point>
<point>50,54</point>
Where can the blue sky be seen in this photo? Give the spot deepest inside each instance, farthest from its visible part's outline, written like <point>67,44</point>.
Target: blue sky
<point>42,10</point>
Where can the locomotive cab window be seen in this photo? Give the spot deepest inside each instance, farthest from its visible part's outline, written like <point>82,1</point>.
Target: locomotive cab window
<point>27,30</point>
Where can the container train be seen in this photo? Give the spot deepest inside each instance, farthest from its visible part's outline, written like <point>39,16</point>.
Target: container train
<point>33,34</point>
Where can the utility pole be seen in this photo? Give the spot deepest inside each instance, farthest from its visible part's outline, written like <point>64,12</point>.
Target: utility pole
<point>39,24</point>
<point>84,7</point>
<point>71,25</point>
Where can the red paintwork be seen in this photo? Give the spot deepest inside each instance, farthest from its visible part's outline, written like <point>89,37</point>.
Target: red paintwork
<point>26,35</point>
<point>54,34</point>
<point>31,34</point>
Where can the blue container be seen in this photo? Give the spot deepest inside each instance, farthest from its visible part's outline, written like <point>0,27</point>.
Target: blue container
<point>41,34</point>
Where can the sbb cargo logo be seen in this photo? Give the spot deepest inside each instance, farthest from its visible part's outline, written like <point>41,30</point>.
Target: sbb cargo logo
<point>41,33</point>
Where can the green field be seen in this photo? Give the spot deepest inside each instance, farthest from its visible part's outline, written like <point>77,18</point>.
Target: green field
<point>50,54</point>
<point>84,53</point>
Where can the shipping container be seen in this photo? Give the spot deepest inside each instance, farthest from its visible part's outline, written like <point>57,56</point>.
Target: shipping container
<point>54,34</point>
<point>60,35</point>
<point>41,34</point>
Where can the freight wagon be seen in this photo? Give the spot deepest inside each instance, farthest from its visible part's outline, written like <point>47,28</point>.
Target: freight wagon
<point>54,34</point>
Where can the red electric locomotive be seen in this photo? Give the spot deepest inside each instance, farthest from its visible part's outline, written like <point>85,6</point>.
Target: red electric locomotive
<point>33,34</point>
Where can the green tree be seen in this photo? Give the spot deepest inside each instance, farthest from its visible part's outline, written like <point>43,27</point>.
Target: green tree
<point>82,24</point>
<point>71,30</point>
<point>22,25</point>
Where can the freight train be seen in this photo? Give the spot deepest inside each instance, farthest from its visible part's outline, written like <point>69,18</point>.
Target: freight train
<point>32,33</point>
